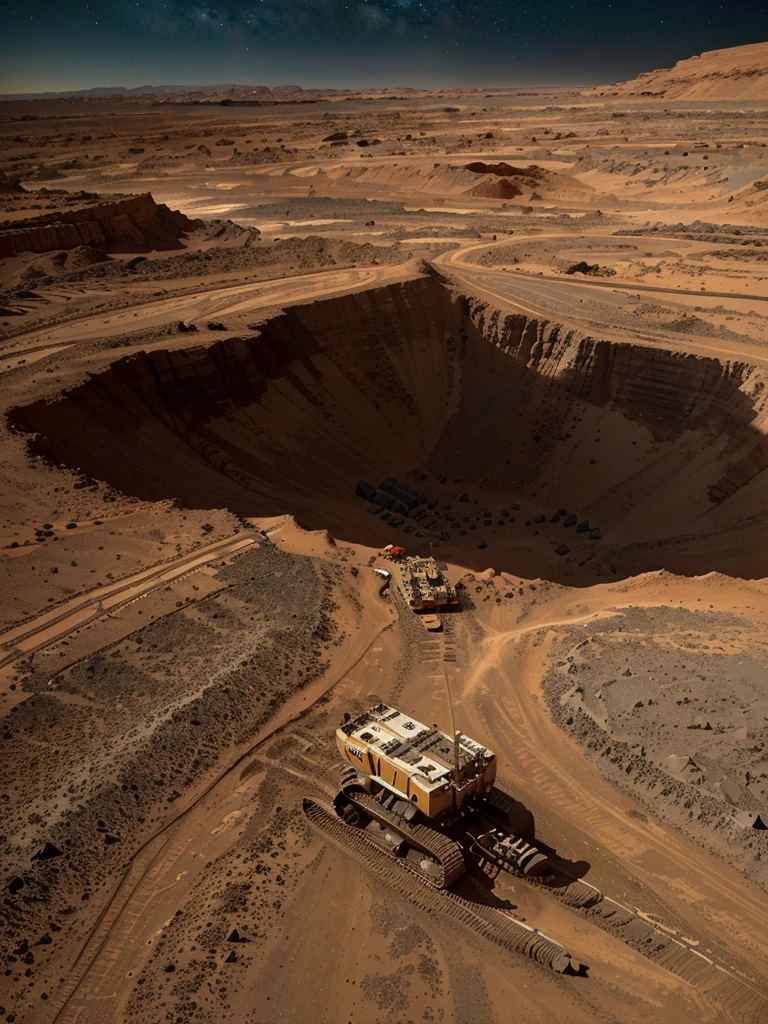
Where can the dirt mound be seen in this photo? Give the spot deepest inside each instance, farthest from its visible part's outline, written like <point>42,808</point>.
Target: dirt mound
<point>127,224</point>
<point>752,202</point>
<point>737,73</point>
<point>503,189</point>
<point>679,743</point>
<point>504,181</point>
<point>590,269</point>
<point>84,256</point>
<point>619,457</point>
<point>226,232</point>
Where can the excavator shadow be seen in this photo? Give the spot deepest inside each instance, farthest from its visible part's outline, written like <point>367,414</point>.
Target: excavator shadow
<point>565,871</point>
<point>465,898</point>
<point>574,970</point>
<point>478,887</point>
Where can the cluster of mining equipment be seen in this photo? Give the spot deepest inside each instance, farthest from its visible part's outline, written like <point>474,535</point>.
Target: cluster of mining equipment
<point>422,585</point>
<point>428,800</point>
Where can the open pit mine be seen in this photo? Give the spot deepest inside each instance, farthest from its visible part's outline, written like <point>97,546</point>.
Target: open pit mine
<point>383,552</point>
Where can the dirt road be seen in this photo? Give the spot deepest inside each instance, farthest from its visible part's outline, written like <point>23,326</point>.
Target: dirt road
<point>208,303</point>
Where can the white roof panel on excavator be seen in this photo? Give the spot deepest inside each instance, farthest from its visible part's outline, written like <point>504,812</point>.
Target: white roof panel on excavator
<point>398,737</point>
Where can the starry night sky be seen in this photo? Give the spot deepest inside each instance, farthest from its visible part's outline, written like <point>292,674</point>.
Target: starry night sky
<point>348,43</point>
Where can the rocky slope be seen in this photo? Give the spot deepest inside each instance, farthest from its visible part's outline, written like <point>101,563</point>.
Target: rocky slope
<point>125,224</point>
<point>737,73</point>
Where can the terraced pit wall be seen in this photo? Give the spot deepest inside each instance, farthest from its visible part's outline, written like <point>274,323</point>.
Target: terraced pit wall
<point>665,451</point>
<point>135,221</point>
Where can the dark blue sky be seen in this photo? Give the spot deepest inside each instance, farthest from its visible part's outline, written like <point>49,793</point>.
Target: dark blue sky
<point>347,43</point>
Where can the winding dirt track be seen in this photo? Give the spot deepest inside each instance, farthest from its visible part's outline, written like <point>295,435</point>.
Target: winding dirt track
<point>206,303</point>
<point>460,258</point>
<point>564,297</point>
<point>703,896</point>
<point>535,294</point>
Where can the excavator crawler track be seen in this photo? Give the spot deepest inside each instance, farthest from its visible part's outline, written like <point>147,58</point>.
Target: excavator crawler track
<point>492,924</point>
<point>447,854</point>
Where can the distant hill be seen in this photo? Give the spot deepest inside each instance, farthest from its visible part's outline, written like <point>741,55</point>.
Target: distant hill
<point>160,91</point>
<point>738,73</point>
<point>226,93</point>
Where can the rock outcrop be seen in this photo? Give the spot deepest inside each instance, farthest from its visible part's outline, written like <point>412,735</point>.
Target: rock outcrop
<point>737,73</point>
<point>126,224</point>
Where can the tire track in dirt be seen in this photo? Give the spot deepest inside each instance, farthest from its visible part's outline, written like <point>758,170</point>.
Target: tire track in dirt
<point>487,921</point>
<point>538,755</point>
<point>85,608</point>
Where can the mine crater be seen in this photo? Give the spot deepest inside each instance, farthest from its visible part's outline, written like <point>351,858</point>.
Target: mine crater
<point>539,450</point>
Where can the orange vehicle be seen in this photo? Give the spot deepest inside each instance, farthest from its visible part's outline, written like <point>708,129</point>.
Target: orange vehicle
<point>393,552</point>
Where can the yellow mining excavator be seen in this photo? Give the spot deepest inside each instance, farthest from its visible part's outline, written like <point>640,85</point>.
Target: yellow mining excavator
<point>424,796</point>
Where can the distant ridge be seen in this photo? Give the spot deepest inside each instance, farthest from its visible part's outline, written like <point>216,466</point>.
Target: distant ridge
<point>150,90</point>
<point>229,93</point>
<point>738,73</point>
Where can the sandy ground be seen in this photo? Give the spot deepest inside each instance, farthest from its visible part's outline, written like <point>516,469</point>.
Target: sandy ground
<point>548,313</point>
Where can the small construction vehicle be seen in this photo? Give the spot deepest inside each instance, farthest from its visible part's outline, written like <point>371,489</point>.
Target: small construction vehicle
<point>432,623</point>
<point>393,552</point>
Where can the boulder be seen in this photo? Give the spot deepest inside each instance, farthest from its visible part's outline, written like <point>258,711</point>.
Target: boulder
<point>48,852</point>
<point>364,490</point>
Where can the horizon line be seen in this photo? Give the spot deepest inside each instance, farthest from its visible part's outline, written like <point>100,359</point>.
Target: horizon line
<point>31,94</point>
